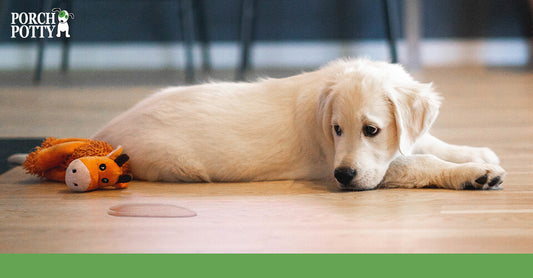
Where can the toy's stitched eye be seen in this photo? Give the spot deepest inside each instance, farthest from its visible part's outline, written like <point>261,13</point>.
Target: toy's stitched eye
<point>370,131</point>
<point>104,180</point>
<point>75,184</point>
<point>74,171</point>
<point>337,129</point>
<point>102,167</point>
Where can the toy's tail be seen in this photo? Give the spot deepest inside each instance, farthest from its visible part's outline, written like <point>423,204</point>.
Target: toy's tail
<point>17,159</point>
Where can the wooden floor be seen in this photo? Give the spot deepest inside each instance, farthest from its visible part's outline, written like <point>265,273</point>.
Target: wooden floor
<point>482,107</point>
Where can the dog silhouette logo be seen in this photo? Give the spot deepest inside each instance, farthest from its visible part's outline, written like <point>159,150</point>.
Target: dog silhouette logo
<point>62,26</point>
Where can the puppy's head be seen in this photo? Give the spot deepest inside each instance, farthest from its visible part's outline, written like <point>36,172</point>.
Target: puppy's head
<point>371,112</point>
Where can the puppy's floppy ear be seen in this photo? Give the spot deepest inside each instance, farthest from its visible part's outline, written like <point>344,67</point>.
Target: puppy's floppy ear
<point>324,111</point>
<point>415,108</point>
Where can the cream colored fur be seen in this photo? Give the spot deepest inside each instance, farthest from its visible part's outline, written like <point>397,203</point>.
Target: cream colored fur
<point>276,129</point>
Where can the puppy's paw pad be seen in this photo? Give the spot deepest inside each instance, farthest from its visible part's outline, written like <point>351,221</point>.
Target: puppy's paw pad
<point>495,181</point>
<point>468,186</point>
<point>482,179</point>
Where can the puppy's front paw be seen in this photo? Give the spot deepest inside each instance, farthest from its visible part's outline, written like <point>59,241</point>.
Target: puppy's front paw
<point>485,155</point>
<point>477,176</point>
<point>473,154</point>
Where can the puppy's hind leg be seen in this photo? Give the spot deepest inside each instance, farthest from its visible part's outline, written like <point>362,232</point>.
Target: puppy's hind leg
<point>182,171</point>
<point>417,171</point>
<point>156,164</point>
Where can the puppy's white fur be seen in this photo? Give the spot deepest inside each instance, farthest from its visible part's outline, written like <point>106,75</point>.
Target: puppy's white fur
<point>283,129</point>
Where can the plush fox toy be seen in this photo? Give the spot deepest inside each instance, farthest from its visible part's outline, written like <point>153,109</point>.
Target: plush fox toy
<point>83,164</point>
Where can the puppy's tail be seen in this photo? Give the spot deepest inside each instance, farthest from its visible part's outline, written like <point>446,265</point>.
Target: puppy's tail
<point>17,159</point>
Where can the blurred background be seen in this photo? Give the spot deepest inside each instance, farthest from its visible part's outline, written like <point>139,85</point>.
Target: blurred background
<point>121,51</point>
<point>153,35</point>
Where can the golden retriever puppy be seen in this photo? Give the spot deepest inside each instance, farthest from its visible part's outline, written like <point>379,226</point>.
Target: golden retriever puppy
<point>358,123</point>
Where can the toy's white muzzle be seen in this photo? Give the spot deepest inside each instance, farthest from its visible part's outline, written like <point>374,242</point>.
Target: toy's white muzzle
<point>77,176</point>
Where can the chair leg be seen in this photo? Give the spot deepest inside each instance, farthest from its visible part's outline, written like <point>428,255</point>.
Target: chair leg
<point>529,31</point>
<point>45,5</point>
<point>199,16</point>
<point>66,44</point>
<point>247,32</point>
<point>4,13</point>
<point>187,25</point>
<point>389,10</point>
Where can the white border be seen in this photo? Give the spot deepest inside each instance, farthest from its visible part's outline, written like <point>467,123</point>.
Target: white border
<point>94,56</point>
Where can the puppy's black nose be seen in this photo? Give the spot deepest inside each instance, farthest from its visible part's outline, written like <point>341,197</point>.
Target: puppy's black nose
<point>345,175</point>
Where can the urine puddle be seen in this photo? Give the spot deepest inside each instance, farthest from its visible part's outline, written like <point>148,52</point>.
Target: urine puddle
<point>150,210</point>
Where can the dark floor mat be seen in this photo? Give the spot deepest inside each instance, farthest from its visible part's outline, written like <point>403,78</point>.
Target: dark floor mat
<point>9,146</point>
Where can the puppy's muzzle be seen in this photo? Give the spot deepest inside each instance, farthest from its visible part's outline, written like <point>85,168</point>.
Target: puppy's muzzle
<point>345,175</point>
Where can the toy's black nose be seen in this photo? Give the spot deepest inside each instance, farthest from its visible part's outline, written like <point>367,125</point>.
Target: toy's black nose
<point>345,175</point>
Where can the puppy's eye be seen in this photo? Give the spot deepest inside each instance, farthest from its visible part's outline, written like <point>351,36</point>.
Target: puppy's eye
<point>337,129</point>
<point>370,131</point>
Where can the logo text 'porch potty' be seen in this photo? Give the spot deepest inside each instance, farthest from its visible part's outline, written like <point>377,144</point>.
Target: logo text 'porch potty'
<point>40,25</point>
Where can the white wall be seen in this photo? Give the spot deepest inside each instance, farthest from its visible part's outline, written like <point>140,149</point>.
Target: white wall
<point>436,52</point>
